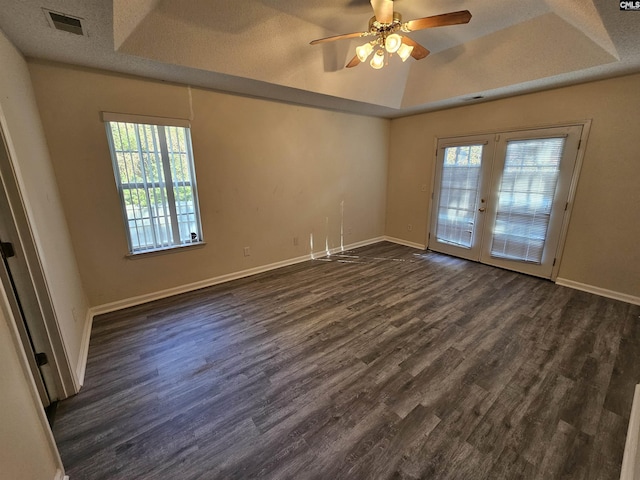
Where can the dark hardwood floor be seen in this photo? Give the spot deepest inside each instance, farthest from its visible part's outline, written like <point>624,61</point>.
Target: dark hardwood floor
<point>384,362</point>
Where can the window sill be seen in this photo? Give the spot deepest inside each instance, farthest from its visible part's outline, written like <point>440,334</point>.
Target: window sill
<point>164,251</point>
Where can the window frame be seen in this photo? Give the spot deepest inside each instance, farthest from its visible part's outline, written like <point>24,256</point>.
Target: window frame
<point>175,243</point>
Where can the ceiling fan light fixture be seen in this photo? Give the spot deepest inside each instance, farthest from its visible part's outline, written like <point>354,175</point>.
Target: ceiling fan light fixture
<point>363,51</point>
<point>384,27</point>
<point>377,61</point>
<point>404,51</point>
<point>393,42</point>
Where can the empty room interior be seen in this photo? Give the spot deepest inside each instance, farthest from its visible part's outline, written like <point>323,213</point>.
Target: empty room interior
<point>357,239</point>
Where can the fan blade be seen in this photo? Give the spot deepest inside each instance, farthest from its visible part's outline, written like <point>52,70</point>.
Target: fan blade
<point>355,61</point>
<point>337,37</point>
<point>453,18</point>
<point>418,52</point>
<point>383,10</point>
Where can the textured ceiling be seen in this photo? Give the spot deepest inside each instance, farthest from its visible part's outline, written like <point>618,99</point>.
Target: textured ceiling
<point>261,47</point>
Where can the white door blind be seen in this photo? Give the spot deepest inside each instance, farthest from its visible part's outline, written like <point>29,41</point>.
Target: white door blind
<point>459,194</point>
<point>525,198</point>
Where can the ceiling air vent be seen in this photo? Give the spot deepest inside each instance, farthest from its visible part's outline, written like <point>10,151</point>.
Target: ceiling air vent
<point>66,23</point>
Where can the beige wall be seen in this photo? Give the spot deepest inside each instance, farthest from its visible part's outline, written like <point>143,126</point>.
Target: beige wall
<point>601,249</point>
<point>41,202</point>
<point>266,172</point>
<point>27,450</point>
<point>269,171</point>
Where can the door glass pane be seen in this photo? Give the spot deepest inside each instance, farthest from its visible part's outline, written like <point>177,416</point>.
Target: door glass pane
<point>459,194</point>
<point>525,198</point>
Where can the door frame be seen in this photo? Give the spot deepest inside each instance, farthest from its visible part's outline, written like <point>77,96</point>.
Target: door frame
<point>582,145</point>
<point>15,307</point>
<point>30,279</point>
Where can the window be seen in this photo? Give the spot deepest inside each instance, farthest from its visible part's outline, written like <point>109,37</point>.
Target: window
<point>525,198</point>
<point>154,173</point>
<point>457,206</point>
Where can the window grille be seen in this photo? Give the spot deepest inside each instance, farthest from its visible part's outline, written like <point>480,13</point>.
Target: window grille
<point>155,176</point>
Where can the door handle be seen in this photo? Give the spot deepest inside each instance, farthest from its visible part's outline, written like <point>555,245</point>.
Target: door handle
<point>481,209</point>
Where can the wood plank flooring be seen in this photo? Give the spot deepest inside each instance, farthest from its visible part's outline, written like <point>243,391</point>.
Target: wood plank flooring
<point>384,362</point>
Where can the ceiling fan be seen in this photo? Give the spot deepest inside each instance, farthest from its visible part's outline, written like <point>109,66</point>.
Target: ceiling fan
<point>383,27</point>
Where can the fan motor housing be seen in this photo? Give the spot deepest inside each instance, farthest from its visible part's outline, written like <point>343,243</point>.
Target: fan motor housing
<point>375,26</point>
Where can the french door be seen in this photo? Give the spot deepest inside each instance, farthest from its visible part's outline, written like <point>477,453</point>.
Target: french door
<point>501,199</point>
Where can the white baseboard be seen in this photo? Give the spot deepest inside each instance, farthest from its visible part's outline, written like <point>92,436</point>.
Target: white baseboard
<point>139,300</point>
<point>60,475</point>
<point>631,459</point>
<point>406,243</point>
<point>603,292</point>
<point>84,350</point>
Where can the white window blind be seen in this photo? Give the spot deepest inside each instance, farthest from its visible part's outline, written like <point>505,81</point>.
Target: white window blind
<point>154,172</point>
<point>525,198</point>
<point>459,194</point>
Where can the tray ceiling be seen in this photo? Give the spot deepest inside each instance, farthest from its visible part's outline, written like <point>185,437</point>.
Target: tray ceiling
<point>261,47</point>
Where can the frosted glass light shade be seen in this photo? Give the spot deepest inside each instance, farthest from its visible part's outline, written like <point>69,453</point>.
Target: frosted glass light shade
<point>377,61</point>
<point>405,51</point>
<point>393,42</point>
<point>363,51</point>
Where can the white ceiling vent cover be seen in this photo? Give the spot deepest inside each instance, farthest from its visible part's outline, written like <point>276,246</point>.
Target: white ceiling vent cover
<point>64,22</point>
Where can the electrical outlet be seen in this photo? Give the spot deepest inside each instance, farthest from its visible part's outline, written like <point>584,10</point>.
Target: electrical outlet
<point>247,251</point>
<point>409,227</point>
<point>423,187</point>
